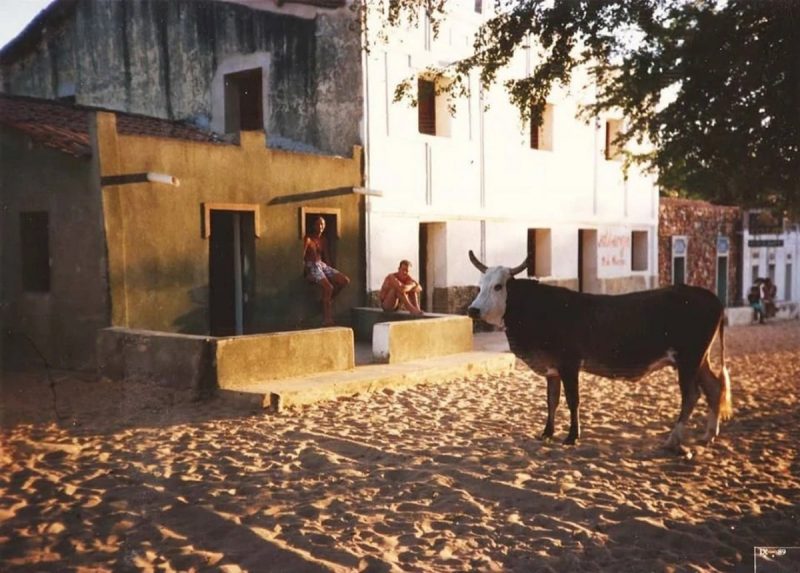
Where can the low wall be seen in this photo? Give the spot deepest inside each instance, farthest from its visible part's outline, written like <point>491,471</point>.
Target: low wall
<point>364,319</point>
<point>242,360</point>
<point>405,340</point>
<point>740,315</point>
<point>205,364</point>
<point>183,361</point>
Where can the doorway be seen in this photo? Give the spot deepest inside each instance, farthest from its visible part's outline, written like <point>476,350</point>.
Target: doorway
<point>722,279</point>
<point>231,272</point>
<point>587,261</point>
<point>432,261</point>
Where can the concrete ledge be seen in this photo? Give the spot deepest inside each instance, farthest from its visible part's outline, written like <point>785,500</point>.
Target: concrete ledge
<point>242,360</point>
<point>309,389</point>
<point>366,317</point>
<point>179,360</point>
<point>740,315</point>
<point>207,363</point>
<point>394,342</point>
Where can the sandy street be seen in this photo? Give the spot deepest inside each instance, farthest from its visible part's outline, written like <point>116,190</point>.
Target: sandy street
<point>106,477</point>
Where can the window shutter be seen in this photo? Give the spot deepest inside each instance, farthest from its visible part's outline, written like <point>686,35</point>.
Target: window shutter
<point>426,104</point>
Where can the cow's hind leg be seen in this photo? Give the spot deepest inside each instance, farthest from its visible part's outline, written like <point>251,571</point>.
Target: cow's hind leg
<point>553,396</point>
<point>687,379</point>
<point>717,391</point>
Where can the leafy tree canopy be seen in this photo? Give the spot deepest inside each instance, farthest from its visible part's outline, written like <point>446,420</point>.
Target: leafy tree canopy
<point>728,132</point>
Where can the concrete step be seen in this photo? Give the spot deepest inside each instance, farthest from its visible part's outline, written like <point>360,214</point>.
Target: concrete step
<point>278,394</point>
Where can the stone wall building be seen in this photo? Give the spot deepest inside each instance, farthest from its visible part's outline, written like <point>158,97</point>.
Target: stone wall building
<point>701,244</point>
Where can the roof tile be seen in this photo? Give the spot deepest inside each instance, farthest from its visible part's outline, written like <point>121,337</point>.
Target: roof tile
<point>65,127</point>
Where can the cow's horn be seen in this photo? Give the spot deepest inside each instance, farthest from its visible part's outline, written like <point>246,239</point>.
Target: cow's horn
<point>520,268</point>
<point>478,265</point>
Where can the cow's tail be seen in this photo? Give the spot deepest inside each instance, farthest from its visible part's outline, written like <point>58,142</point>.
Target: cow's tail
<point>725,403</point>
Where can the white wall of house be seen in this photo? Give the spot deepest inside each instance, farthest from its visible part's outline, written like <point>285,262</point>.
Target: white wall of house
<point>481,180</point>
<point>775,255</point>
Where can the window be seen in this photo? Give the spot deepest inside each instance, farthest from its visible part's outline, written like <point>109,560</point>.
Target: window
<point>754,270</point>
<point>787,282</point>
<point>613,128</point>
<point>542,132</point>
<point>539,247</point>
<point>35,251</point>
<point>479,6</point>
<point>433,115</point>
<point>679,248</point>
<point>243,101</point>
<point>639,251</point>
<point>723,250</point>
<point>333,231</point>
<point>426,104</point>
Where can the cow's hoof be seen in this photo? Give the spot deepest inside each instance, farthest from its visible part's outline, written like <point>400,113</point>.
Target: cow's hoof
<point>708,440</point>
<point>570,441</point>
<point>545,437</point>
<point>677,449</point>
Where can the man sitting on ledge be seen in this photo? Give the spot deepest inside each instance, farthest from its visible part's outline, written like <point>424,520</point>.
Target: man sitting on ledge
<point>400,290</point>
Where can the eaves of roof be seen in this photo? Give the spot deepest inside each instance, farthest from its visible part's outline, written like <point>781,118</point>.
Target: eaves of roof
<point>65,127</point>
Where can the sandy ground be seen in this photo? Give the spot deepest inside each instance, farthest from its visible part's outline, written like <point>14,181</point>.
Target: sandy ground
<point>104,477</point>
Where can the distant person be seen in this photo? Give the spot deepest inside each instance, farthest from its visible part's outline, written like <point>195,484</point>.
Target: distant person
<point>318,271</point>
<point>400,290</point>
<point>768,300</point>
<point>756,299</point>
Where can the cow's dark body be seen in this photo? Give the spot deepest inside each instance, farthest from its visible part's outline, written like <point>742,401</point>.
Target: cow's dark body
<point>559,332</point>
<point>618,336</point>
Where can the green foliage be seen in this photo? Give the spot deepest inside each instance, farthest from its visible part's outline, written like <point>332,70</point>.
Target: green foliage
<point>729,130</point>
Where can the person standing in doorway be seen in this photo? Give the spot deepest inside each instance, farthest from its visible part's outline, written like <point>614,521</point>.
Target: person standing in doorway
<point>318,271</point>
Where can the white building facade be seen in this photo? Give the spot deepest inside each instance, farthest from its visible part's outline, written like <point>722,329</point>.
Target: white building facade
<point>771,249</point>
<point>482,179</point>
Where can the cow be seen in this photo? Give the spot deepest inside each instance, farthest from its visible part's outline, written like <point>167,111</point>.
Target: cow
<point>558,332</point>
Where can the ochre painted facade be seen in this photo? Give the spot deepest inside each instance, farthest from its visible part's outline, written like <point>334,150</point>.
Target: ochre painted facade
<point>139,255</point>
<point>157,234</point>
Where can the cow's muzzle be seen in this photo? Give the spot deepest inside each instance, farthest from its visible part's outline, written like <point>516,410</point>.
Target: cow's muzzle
<point>474,313</point>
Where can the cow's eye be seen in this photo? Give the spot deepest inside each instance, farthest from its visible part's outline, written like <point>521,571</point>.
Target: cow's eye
<point>498,287</point>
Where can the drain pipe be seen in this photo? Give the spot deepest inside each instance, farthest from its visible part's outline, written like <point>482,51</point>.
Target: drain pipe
<point>482,167</point>
<point>366,151</point>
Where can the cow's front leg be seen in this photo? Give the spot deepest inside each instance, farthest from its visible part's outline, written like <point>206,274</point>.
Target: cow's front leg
<point>570,379</point>
<point>553,396</point>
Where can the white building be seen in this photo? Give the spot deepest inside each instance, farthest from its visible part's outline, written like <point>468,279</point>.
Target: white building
<point>484,180</point>
<point>771,249</point>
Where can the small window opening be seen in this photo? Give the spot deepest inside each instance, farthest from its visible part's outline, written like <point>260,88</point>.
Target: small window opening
<point>613,128</point>
<point>426,105</point>
<point>679,249</point>
<point>35,251</point>
<point>243,101</point>
<point>542,131</point>
<point>331,233</point>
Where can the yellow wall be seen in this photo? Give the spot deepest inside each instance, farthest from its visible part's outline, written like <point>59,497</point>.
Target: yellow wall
<point>159,258</point>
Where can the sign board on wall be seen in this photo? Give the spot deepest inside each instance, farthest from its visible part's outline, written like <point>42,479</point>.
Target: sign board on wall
<point>765,243</point>
<point>614,250</point>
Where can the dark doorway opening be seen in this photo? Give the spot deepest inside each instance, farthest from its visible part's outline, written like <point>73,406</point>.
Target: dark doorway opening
<point>231,272</point>
<point>423,266</point>
<point>722,280</point>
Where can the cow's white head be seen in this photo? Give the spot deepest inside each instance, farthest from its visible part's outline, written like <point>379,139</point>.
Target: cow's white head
<point>490,304</point>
